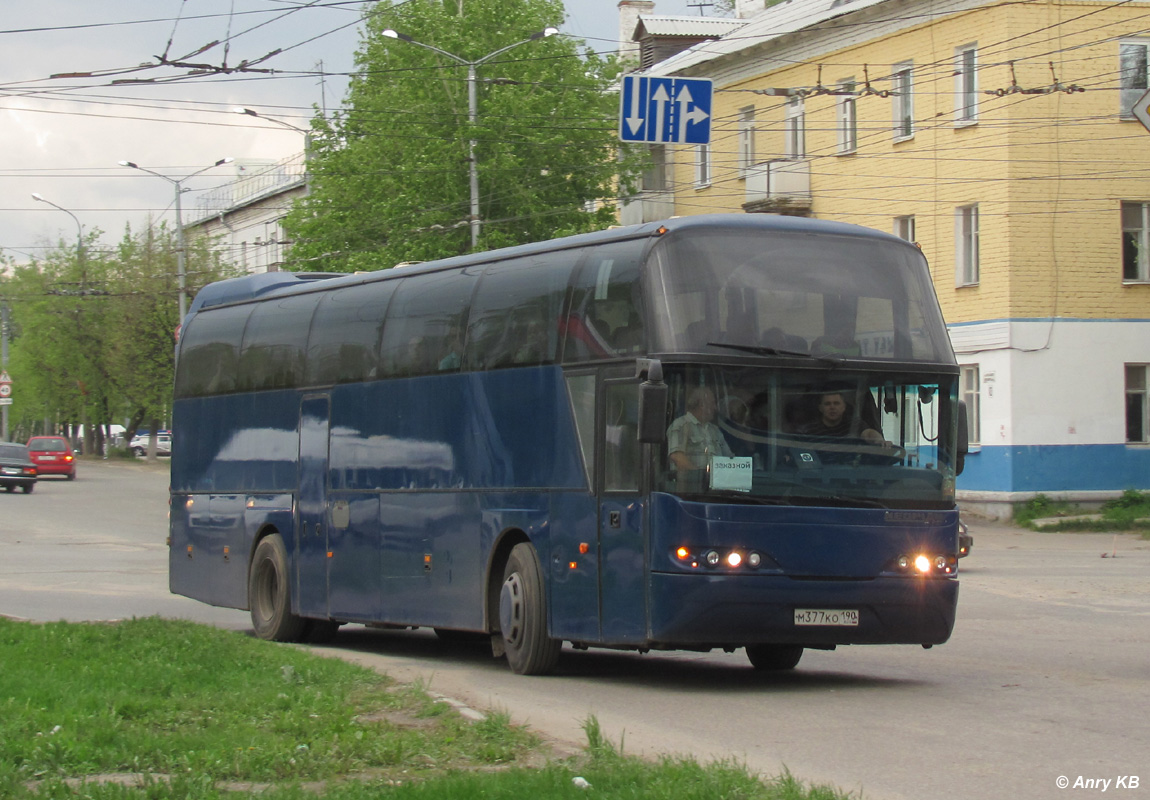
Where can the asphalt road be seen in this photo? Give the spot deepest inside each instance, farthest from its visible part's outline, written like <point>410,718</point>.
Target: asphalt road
<point>1047,676</point>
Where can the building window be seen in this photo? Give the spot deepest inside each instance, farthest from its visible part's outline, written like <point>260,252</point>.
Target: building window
<point>1133,69</point>
<point>794,129</point>
<point>904,228</point>
<point>848,118</point>
<point>902,94</point>
<point>655,176</point>
<point>969,381</point>
<point>1137,407</point>
<point>966,245</point>
<point>746,140</point>
<point>702,165</point>
<point>1136,242</point>
<point>966,85</point>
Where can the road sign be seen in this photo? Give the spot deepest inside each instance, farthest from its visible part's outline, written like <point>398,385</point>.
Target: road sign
<point>5,390</point>
<point>665,110</point>
<point>1141,110</point>
<point>5,401</point>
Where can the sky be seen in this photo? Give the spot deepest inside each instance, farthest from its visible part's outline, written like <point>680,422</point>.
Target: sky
<point>82,87</point>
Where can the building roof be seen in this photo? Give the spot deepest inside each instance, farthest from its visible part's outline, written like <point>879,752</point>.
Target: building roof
<point>693,27</point>
<point>777,21</point>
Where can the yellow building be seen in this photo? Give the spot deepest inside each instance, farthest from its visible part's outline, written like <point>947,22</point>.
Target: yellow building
<point>1000,137</point>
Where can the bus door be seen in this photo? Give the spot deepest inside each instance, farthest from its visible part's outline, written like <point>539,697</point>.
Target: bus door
<point>622,548</point>
<point>311,503</point>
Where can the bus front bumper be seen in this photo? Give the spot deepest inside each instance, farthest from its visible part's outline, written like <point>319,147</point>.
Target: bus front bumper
<point>737,610</point>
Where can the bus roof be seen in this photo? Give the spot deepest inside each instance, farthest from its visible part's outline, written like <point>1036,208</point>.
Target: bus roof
<point>250,287</point>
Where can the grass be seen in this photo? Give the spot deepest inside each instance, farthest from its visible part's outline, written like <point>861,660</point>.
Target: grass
<point>1128,512</point>
<point>183,711</point>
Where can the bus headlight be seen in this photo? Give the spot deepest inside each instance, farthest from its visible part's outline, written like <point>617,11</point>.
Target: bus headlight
<point>734,559</point>
<point>712,558</point>
<point>922,564</point>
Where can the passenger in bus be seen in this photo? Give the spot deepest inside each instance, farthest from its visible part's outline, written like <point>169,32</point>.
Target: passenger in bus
<point>836,418</point>
<point>694,437</point>
<point>454,357</point>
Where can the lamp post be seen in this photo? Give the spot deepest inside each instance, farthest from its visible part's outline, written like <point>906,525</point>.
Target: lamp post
<point>79,233</point>
<point>181,268</point>
<point>306,133</point>
<point>472,111</point>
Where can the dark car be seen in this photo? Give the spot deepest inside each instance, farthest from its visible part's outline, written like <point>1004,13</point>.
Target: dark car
<point>52,456</point>
<point>16,468</point>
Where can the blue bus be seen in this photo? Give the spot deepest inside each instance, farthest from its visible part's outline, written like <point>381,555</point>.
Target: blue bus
<point>723,431</point>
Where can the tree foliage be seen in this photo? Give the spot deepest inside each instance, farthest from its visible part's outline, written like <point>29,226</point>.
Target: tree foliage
<point>390,178</point>
<point>91,338</point>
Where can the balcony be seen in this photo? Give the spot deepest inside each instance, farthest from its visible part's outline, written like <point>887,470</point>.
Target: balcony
<point>781,186</point>
<point>647,206</point>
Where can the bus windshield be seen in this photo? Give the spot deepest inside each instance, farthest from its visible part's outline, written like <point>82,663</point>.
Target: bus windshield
<point>798,437</point>
<point>831,297</point>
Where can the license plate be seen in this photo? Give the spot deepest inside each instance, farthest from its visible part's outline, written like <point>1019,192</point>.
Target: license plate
<point>10,471</point>
<point>835,617</point>
<point>47,458</point>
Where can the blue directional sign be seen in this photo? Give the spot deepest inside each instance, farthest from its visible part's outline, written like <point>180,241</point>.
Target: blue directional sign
<point>665,110</point>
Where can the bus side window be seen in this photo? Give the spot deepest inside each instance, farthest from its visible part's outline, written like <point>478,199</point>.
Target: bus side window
<point>275,341</point>
<point>209,351</point>
<point>424,328</point>
<point>344,343</point>
<point>605,319</point>
<point>621,447</point>
<point>515,312</point>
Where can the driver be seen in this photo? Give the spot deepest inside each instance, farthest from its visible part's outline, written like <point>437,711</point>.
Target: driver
<point>694,437</point>
<point>834,420</point>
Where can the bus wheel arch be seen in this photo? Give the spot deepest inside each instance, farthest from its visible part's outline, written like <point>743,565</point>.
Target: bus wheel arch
<point>496,564</point>
<point>269,591</point>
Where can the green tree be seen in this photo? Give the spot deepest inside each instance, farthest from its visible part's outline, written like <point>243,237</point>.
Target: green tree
<point>93,337</point>
<point>389,172</point>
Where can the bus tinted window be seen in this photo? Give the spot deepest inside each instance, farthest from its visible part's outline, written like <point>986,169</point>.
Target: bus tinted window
<point>514,318</point>
<point>275,341</point>
<point>346,335</point>
<point>606,320</point>
<point>718,291</point>
<point>425,323</point>
<point>209,351</point>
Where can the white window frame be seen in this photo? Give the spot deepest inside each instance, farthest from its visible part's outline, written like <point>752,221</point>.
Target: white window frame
<point>902,100</point>
<point>1133,79</point>
<point>970,392</point>
<point>847,115</point>
<point>904,227</point>
<point>1137,401</point>
<point>966,255</point>
<point>966,85</point>
<point>794,129</point>
<point>1137,236</point>
<point>746,140</point>
<point>702,166</point>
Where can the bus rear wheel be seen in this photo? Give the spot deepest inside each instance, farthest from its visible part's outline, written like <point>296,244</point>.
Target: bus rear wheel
<point>523,615</point>
<point>774,657</point>
<point>269,593</point>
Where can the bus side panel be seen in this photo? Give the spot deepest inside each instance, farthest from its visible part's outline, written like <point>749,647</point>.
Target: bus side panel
<point>236,443</point>
<point>431,562</point>
<point>355,568</point>
<point>573,577</point>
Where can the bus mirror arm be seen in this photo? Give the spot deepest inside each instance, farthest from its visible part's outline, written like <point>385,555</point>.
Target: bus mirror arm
<point>963,443</point>
<point>652,404</point>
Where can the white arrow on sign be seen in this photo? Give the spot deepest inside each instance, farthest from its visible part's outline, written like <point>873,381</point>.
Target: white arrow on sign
<point>1141,110</point>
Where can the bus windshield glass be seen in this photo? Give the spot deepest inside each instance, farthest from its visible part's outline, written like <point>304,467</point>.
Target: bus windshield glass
<point>798,437</point>
<point>831,297</point>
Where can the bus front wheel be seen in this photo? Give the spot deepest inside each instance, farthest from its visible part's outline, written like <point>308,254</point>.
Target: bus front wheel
<point>523,615</point>
<point>269,593</point>
<point>774,657</point>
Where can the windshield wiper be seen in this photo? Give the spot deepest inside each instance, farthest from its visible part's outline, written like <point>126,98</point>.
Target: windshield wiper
<point>777,351</point>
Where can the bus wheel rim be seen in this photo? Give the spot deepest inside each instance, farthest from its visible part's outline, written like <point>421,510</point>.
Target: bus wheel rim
<point>511,609</point>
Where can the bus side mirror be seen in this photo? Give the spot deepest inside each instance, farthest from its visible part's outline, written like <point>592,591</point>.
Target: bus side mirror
<point>653,406</point>
<point>963,444</point>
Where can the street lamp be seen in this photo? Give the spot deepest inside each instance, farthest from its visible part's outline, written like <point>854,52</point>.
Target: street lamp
<point>472,112</point>
<point>306,133</point>
<point>181,269</point>
<point>79,233</point>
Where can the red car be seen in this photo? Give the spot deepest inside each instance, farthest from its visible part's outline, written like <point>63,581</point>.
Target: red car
<point>52,456</point>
